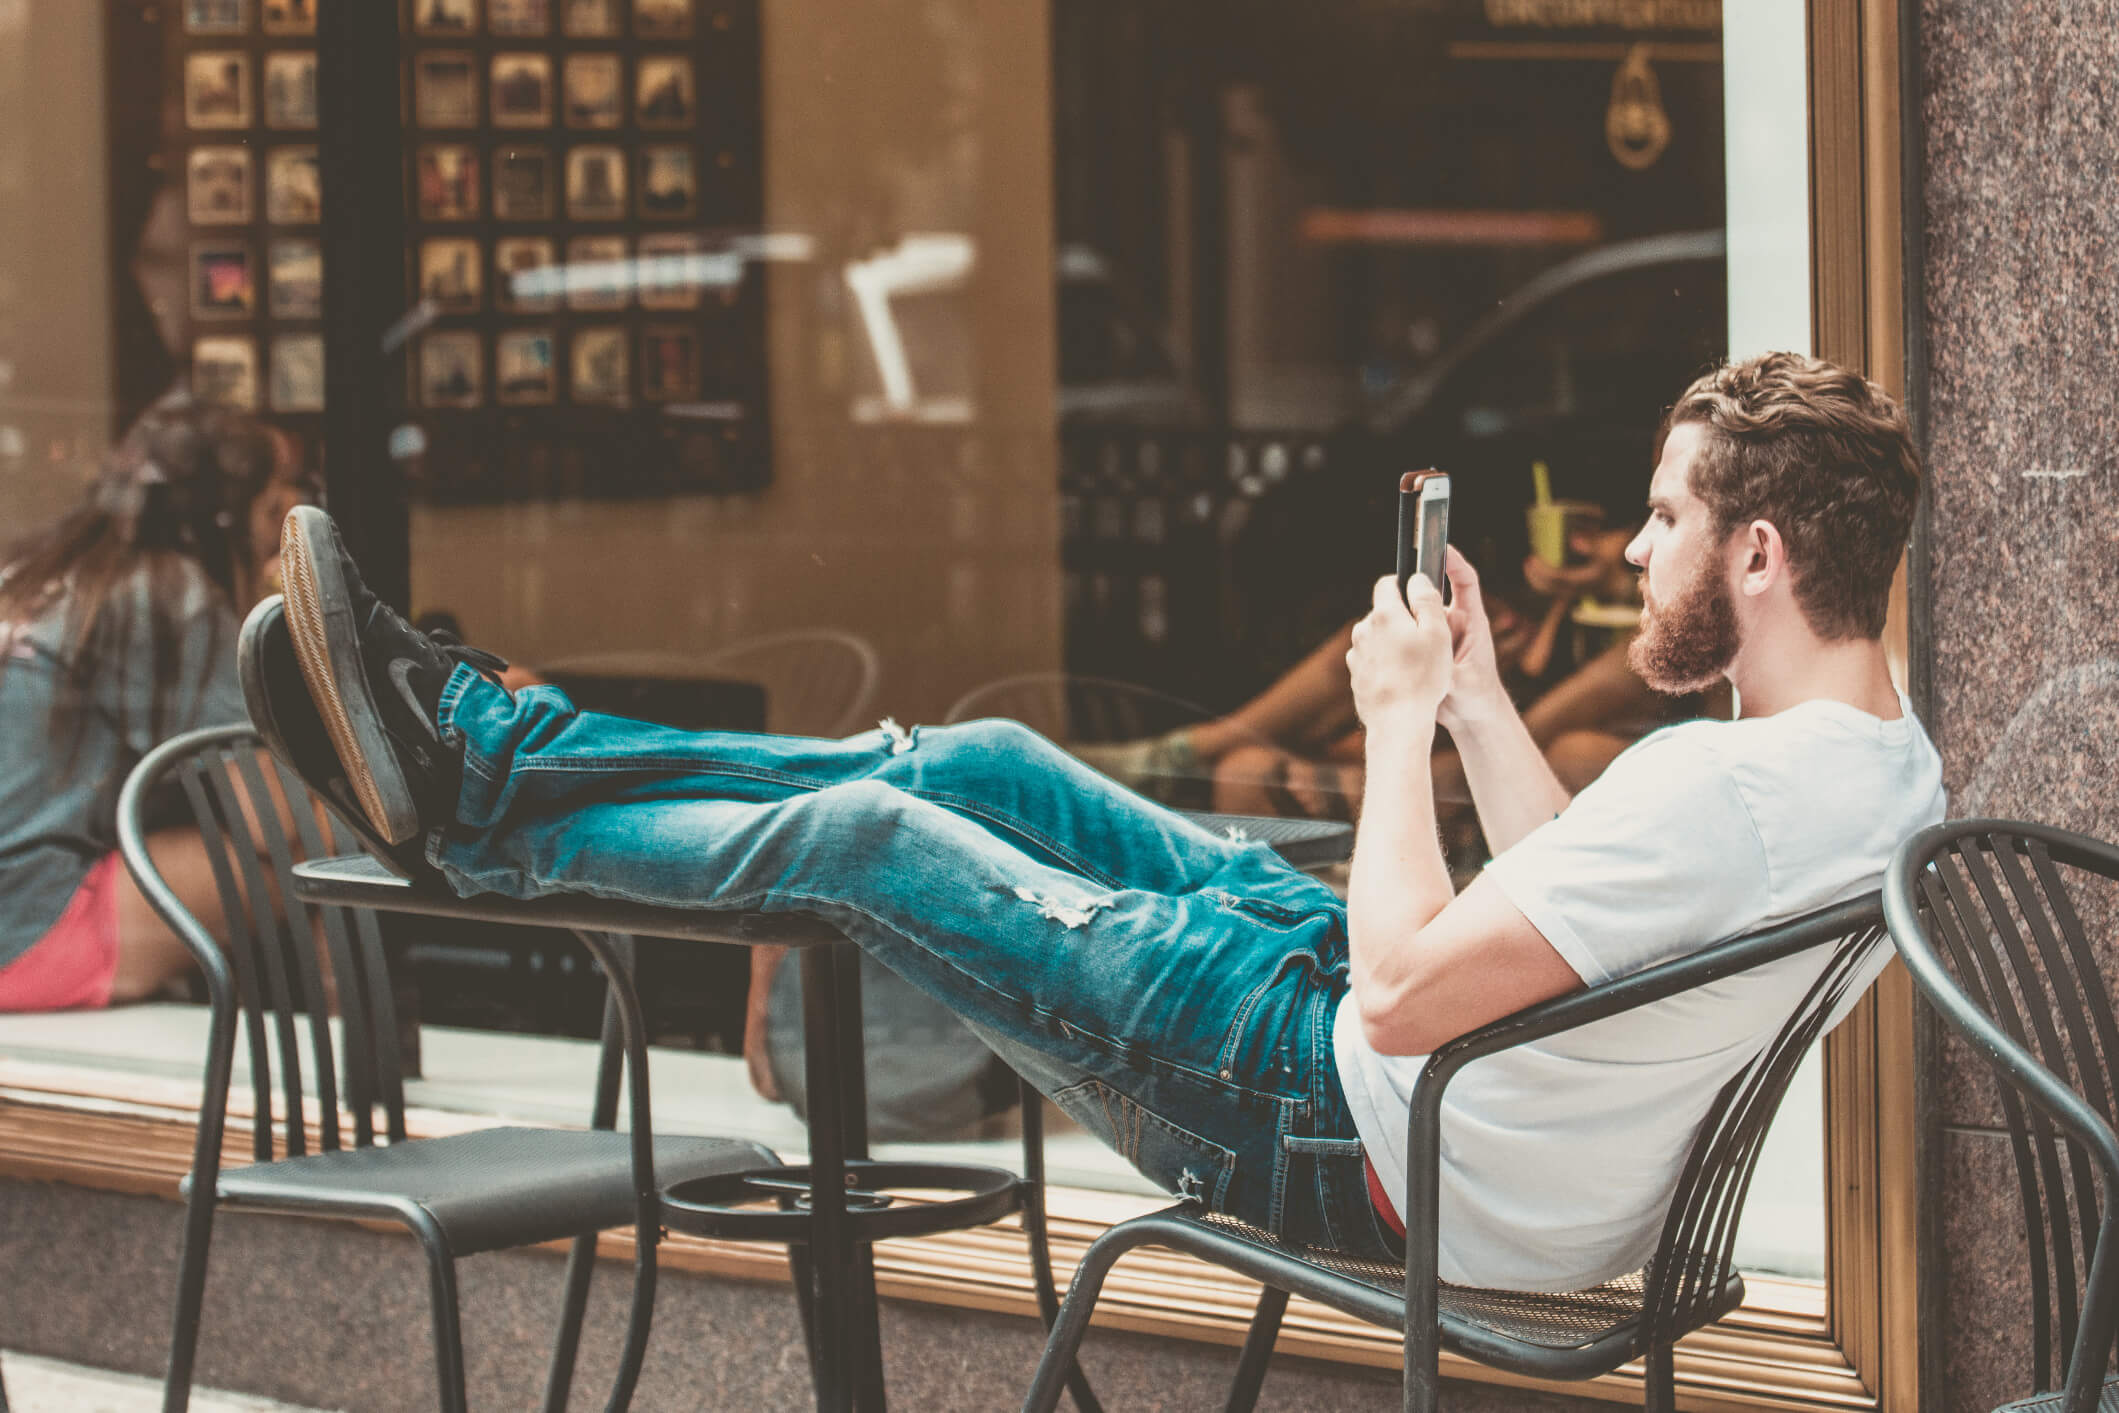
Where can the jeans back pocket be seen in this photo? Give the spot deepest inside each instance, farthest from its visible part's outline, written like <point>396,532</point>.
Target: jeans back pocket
<point>1172,1157</point>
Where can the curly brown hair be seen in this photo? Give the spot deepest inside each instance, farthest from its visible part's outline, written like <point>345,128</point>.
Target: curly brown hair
<point>1826,456</point>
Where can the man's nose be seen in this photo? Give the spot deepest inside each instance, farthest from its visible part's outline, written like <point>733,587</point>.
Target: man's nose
<point>1637,551</point>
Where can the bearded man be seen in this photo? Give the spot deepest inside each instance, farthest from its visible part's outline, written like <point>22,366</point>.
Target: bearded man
<point>1233,1028</point>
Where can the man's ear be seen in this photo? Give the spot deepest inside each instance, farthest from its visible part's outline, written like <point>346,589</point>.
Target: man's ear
<point>1761,558</point>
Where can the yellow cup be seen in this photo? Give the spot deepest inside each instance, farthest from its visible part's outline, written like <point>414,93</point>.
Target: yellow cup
<point>1550,523</point>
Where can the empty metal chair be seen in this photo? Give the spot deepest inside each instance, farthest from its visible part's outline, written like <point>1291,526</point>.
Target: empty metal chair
<point>286,971</point>
<point>1983,912</point>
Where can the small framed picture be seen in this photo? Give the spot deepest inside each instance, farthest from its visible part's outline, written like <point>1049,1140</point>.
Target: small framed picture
<point>449,273</point>
<point>522,184</point>
<point>294,187</point>
<point>594,91</point>
<point>599,276</point>
<point>445,89</point>
<point>445,16</point>
<point>669,185</point>
<point>451,370</point>
<point>294,271</point>
<point>224,282</point>
<point>216,16</point>
<point>519,16</point>
<point>669,365</point>
<point>526,367</point>
<point>599,365</point>
<point>662,19</point>
<point>448,181</point>
<point>217,89</point>
<point>589,19</point>
<point>224,371</point>
<point>664,95</point>
<point>667,271</point>
<point>522,90</point>
<point>526,274</point>
<point>290,16</point>
<point>217,186</point>
<point>290,89</point>
<point>596,183</point>
<point>297,373</point>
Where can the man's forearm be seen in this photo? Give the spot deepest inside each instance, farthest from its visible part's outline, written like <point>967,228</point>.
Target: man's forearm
<point>1511,782</point>
<point>1398,881</point>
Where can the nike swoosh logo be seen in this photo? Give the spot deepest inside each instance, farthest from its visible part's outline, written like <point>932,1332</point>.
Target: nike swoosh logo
<point>398,675</point>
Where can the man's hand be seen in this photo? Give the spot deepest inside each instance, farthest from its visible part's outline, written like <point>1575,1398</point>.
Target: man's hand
<point>1475,690</point>
<point>1400,660</point>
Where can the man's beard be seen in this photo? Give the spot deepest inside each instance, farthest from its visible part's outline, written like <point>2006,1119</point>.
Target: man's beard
<point>1687,643</point>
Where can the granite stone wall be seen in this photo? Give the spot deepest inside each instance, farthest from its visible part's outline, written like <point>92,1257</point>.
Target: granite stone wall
<point>2019,116</point>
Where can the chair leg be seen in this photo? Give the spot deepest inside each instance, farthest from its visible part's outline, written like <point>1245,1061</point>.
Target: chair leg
<point>191,1300</point>
<point>581,1269</point>
<point>1422,1391</point>
<point>637,1325</point>
<point>1067,1331</point>
<point>1257,1350</point>
<point>1661,1395</point>
<point>448,1327</point>
<point>802,1273</point>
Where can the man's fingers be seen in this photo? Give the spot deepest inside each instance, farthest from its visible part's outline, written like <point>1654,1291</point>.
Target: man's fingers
<point>1421,596</point>
<point>1463,579</point>
<point>1385,598</point>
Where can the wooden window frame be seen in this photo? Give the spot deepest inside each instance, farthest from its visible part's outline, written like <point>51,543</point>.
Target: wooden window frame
<point>1850,1345</point>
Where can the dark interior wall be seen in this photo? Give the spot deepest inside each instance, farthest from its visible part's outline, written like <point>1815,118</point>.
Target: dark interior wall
<point>2019,116</point>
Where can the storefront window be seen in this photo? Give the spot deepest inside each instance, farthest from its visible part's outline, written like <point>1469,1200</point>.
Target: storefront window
<point>794,365</point>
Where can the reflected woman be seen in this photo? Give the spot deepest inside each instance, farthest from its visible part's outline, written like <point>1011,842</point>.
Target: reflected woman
<point>117,631</point>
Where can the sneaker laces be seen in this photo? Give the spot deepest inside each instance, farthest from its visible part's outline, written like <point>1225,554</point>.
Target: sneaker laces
<point>457,650</point>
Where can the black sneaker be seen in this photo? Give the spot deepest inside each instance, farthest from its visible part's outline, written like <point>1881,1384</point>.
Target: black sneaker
<point>277,699</point>
<point>376,682</point>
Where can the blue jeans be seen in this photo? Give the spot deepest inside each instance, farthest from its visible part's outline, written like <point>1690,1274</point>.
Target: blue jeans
<point>1170,989</point>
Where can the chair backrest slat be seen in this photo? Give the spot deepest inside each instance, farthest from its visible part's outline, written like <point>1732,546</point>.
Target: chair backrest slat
<point>374,979</point>
<point>245,955</point>
<point>352,997</point>
<point>301,940</point>
<point>1940,910</point>
<point>2088,979</point>
<point>1696,1253</point>
<point>2067,990</point>
<point>271,935</point>
<point>2045,1211</point>
<point>275,962</point>
<point>1990,928</point>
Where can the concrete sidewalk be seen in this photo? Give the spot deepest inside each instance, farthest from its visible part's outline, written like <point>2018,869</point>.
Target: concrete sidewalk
<point>37,1385</point>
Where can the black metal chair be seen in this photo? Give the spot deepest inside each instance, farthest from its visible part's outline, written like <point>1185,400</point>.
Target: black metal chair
<point>459,1195</point>
<point>1982,913</point>
<point>1689,1282</point>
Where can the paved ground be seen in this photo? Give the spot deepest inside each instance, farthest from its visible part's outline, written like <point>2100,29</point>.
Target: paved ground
<point>47,1386</point>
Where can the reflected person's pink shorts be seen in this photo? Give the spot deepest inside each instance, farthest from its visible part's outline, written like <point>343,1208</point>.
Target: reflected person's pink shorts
<point>72,966</point>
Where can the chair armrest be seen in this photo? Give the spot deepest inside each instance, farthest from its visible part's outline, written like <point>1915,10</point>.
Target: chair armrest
<point>1656,983</point>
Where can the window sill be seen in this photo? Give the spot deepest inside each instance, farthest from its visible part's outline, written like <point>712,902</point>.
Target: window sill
<point>110,1101</point>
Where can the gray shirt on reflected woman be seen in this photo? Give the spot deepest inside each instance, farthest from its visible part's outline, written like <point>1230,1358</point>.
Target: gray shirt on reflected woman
<point>57,789</point>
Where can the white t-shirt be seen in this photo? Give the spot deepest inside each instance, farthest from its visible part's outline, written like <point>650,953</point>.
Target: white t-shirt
<point>1559,1157</point>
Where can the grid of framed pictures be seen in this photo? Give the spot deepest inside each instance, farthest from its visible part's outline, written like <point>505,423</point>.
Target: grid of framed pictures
<point>563,157</point>
<point>244,74</point>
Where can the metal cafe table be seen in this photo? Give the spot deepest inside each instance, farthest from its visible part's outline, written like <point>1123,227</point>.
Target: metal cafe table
<point>830,1212</point>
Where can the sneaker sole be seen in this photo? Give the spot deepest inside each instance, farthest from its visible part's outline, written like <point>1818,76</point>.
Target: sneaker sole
<point>259,638</point>
<point>327,644</point>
